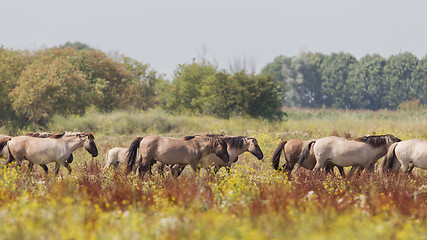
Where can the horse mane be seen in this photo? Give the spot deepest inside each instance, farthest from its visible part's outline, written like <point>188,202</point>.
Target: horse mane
<point>44,135</point>
<point>235,142</point>
<point>39,134</point>
<point>56,135</point>
<point>377,140</point>
<point>186,138</point>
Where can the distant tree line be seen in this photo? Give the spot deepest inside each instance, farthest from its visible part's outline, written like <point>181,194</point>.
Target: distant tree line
<point>339,80</point>
<point>72,78</point>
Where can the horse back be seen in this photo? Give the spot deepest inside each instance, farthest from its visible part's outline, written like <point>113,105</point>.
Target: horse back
<point>413,151</point>
<point>169,150</point>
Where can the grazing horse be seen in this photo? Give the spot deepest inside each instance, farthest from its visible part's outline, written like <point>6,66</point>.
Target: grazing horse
<point>115,156</point>
<point>410,153</point>
<point>188,150</point>
<point>363,151</point>
<point>56,148</point>
<point>235,147</point>
<point>291,151</point>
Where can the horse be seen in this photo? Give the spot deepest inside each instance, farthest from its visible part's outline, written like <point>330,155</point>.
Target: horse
<point>43,135</point>
<point>291,151</point>
<point>115,156</point>
<point>235,147</point>
<point>188,150</point>
<point>363,151</point>
<point>4,152</point>
<point>410,153</point>
<point>43,150</point>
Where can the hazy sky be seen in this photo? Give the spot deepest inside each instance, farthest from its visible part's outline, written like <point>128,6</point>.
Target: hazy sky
<point>165,33</point>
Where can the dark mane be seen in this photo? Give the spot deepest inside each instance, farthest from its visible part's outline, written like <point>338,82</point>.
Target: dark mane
<point>57,135</point>
<point>235,142</point>
<point>186,138</point>
<point>377,140</point>
<point>39,134</point>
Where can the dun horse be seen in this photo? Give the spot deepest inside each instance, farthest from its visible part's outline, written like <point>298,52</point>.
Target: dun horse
<point>409,154</point>
<point>183,151</point>
<point>235,147</point>
<point>291,151</point>
<point>363,151</point>
<point>115,156</point>
<point>56,148</point>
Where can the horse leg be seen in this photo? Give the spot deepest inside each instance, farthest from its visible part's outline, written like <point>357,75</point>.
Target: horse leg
<point>411,167</point>
<point>46,170</point>
<point>352,170</point>
<point>145,166</point>
<point>405,167</point>
<point>161,168</point>
<point>342,172</point>
<point>176,170</point>
<point>67,166</point>
<point>330,170</point>
<point>57,165</point>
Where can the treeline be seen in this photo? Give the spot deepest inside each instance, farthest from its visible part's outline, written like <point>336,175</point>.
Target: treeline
<point>339,80</point>
<point>70,79</point>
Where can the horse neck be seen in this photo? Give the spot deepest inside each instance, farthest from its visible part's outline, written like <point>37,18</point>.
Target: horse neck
<point>234,152</point>
<point>74,143</point>
<point>205,146</point>
<point>380,152</point>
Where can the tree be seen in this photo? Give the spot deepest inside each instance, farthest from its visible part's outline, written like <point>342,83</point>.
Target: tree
<point>245,94</point>
<point>142,88</point>
<point>12,63</point>
<point>368,88</point>
<point>283,72</point>
<point>76,45</point>
<point>419,81</point>
<point>398,75</point>
<point>43,90</point>
<point>335,71</point>
<point>307,86</point>
<point>184,92</point>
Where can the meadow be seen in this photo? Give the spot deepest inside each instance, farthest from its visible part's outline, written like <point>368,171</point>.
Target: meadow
<point>251,202</point>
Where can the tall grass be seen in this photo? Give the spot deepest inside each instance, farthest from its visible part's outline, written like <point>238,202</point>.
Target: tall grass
<point>299,123</point>
<point>252,202</point>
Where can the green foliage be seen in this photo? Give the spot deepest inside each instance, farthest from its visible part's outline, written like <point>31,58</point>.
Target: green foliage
<point>368,84</point>
<point>12,63</point>
<point>184,91</point>
<point>338,80</point>
<point>47,89</point>
<point>398,73</point>
<point>200,88</point>
<point>76,45</point>
<point>335,72</point>
<point>69,81</point>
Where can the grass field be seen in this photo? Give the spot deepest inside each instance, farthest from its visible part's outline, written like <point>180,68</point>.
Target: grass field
<point>252,202</point>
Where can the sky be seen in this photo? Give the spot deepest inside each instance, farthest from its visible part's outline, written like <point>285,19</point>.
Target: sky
<point>165,33</point>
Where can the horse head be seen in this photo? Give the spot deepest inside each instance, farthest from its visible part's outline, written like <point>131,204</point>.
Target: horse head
<point>89,143</point>
<point>221,149</point>
<point>254,148</point>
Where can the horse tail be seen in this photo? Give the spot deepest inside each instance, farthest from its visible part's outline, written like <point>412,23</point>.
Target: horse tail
<point>131,154</point>
<point>390,158</point>
<point>3,142</point>
<point>305,151</point>
<point>275,160</point>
